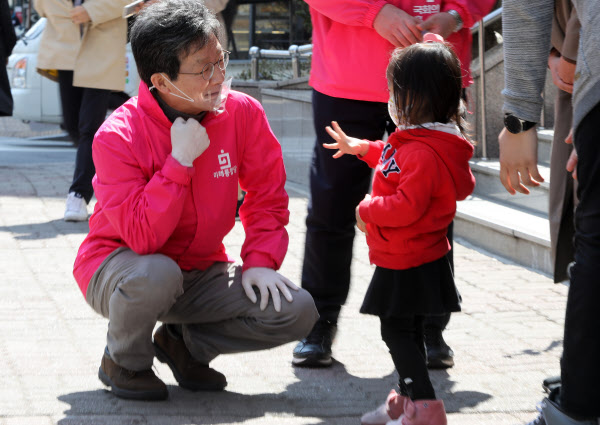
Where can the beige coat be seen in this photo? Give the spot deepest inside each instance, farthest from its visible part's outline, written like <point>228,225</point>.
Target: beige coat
<point>562,199</point>
<point>97,58</point>
<point>217,6</point>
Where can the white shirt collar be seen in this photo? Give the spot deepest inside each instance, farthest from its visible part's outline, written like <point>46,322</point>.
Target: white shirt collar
<point>450,127</point>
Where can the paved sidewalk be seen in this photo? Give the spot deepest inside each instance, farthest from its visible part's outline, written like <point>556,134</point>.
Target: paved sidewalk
<point>507,339</point>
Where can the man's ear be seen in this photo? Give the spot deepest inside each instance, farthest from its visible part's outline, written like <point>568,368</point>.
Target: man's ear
<point>159,81</point>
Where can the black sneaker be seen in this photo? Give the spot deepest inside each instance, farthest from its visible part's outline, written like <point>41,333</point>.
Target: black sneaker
<point>315,349</point>
<point>439,354</point>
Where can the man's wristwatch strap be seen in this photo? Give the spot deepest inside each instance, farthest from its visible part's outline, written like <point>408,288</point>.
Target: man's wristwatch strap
<point>457,18</point>
<point>517,125</point>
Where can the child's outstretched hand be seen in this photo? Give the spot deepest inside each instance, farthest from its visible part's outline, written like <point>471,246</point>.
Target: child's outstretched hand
<point>345,144</point>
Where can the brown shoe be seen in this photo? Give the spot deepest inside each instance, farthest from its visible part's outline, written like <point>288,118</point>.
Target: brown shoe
<point>190,373</point>
<point>125,383</point>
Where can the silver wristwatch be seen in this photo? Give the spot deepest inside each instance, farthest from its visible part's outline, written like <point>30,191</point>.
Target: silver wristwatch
<point>457,18</point>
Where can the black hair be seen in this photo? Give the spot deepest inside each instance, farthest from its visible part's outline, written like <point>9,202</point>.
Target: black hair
<point>426,84</point>
<point>166,32</point>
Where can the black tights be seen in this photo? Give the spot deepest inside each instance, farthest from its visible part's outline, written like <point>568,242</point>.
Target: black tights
<point>404,338</point>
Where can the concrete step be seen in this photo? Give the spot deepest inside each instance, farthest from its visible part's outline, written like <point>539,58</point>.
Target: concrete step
<point>489,186</point>
<point>505,231</point>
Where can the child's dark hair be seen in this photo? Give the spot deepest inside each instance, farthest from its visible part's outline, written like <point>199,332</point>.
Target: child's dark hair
<point>426,85</point>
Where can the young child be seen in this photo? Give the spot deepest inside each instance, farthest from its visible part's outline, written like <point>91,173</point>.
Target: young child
<point>420,173</point>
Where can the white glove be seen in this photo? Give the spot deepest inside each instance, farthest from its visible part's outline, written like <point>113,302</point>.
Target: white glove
<point>267,280</point>
<point>189,140</point>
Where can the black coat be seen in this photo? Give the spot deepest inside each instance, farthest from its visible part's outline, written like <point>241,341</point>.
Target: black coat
<point>8,40</point>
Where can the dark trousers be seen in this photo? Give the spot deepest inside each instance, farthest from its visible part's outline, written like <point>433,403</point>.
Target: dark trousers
<point>6,100</point>
<point>580,364</point>
<point>337,186</point>
<point>404,338</point>
<point>84,111</point>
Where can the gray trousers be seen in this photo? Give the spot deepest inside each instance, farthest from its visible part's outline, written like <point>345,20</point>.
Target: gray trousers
<point>135,291</point>
<point>563,198</point>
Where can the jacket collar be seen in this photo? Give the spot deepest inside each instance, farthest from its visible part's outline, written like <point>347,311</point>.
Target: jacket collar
<point>171,113</point>
<point>150,106</point>
<point>450,128</point>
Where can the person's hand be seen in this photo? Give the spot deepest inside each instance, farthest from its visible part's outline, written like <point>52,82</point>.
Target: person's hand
<point>345,144</point>
<point>518,160</point>
<point>566,71</point>
<point>188,140</point>
<point>441,23</point>
<point>362,226</point>
<point>79,15</point>
<point>572,161</point>
<point>554,65</point>
<point>397,26</point>
<point>267,280</point>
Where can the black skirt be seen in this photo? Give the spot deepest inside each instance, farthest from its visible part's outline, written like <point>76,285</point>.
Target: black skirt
<point>424,290</point>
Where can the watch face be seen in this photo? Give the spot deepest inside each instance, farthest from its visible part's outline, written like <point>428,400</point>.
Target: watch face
<point>513,124</point>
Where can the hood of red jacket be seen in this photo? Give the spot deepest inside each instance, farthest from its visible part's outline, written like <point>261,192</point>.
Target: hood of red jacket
<point>453,150</point>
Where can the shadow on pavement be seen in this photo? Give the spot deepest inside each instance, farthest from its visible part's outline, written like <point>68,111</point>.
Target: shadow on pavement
<point>47,230</point>
<point>225,407</point>
<point>331,395</point>
<point>530,352</point>
<point>455,401</point>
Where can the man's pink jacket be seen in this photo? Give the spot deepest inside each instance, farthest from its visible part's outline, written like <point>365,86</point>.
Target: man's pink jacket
<point>149,202</point>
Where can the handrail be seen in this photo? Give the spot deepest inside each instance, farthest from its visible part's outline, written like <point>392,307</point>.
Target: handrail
<point>481,37</point>
<point>294,52</point>
<point>487,20</point>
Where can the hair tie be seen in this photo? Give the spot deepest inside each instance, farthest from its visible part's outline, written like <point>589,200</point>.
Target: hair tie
<point>432,38</point>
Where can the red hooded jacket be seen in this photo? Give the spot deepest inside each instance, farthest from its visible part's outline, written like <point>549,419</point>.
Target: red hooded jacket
<point>420,173</point>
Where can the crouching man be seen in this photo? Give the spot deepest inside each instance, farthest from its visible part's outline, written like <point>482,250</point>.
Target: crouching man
<point>168,164</point>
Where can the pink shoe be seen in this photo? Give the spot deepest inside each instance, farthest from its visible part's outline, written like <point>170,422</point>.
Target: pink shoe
<point>391,409</point>
<point>424,412</point>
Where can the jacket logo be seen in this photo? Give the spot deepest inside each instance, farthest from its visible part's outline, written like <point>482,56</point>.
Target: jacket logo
<point>388,165</point>
<point>226,168</point>
<point>426,9</point>
<point>224,160</point>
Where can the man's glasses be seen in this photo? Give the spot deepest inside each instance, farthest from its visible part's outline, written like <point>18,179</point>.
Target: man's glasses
<point>209,69</point>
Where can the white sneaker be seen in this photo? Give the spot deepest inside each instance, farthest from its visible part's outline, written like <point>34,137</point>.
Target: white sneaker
<point>76,209</point>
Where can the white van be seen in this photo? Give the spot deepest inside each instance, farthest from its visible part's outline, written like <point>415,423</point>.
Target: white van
<point>36,98</point>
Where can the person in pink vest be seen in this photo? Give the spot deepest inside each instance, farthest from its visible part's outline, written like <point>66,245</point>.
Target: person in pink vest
<point>352,45</point>
<point>168,164</point>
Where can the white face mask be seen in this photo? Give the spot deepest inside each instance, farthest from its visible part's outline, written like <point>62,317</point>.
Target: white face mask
<point>217,103</point>
<point>393,111</point>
